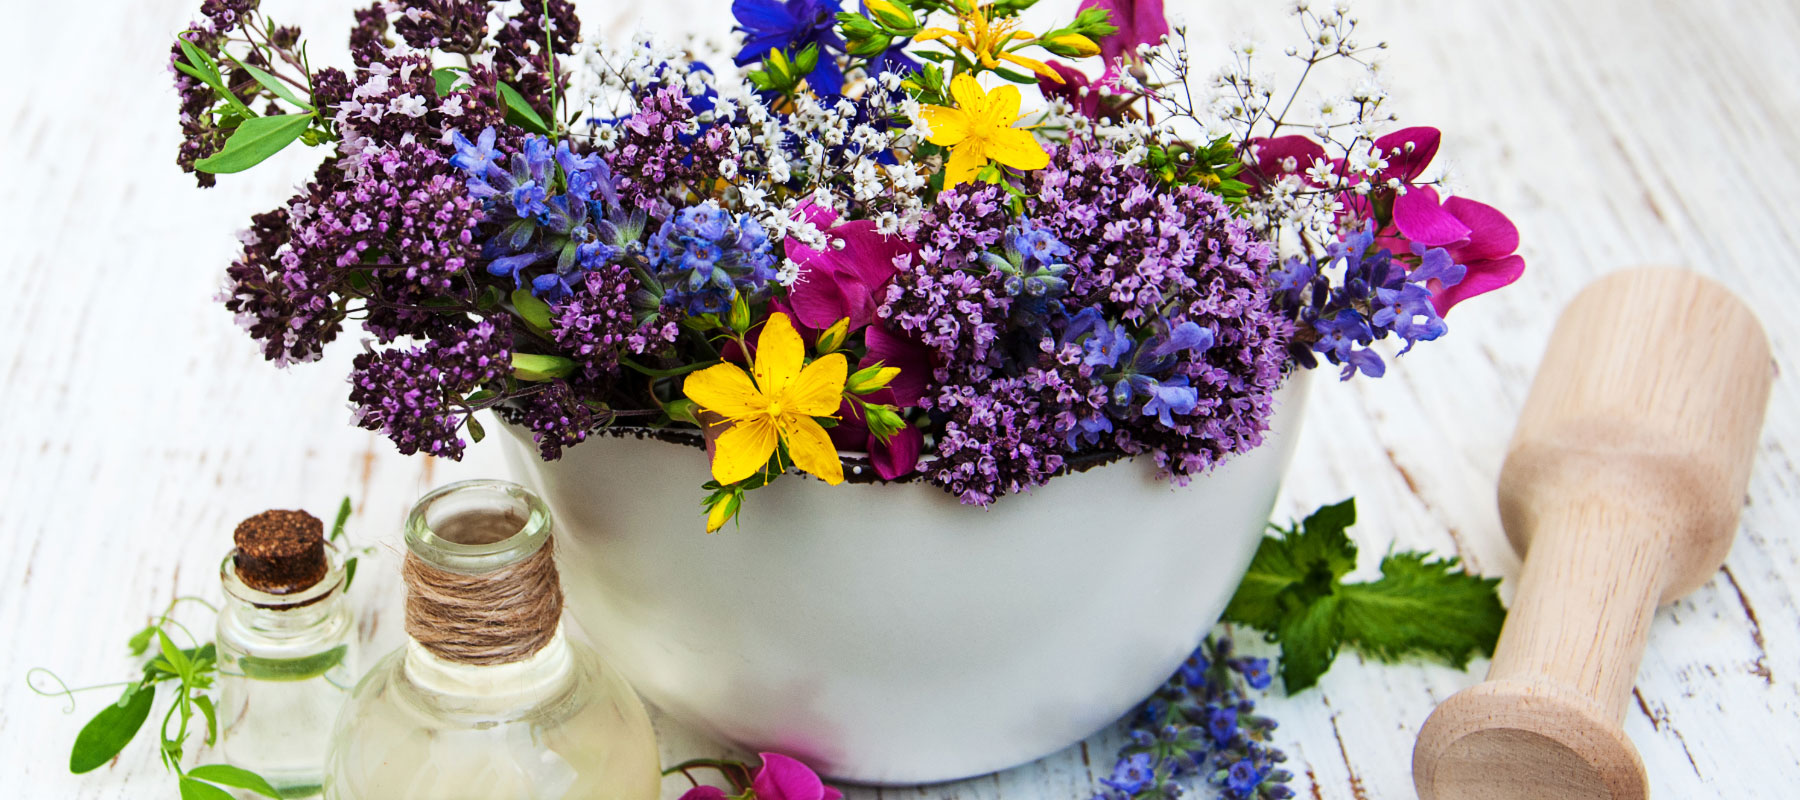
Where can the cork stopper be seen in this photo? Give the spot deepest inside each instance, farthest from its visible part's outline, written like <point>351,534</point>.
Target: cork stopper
<point>281,552</point>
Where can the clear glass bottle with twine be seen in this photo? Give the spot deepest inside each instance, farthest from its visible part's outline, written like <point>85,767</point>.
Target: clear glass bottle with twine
<point>488,698</point>
<point>285,647</point>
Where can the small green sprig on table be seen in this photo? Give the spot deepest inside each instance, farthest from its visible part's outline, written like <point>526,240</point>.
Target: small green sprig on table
<point>189,672</point>
<point>1295,593</point>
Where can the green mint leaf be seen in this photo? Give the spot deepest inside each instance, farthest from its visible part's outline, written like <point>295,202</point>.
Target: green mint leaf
<point>1309,643</point>
<point>519,112</point>
<point>1291,571</point>
<point>292,669</point>
<point>111,729</point>
<point>343,516</point>
<point>1420,607</point>
<point>195,790</point>
<point>254,141</point>
<point>227,775</point>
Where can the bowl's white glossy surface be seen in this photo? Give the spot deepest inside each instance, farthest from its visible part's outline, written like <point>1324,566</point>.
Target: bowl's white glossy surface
<point>885,633</point>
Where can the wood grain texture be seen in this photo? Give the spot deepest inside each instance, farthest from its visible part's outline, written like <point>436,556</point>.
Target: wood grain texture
<point>140,425</point>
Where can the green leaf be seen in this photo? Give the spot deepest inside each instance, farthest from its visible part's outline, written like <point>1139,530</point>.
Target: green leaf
<point>212,717</point>
<point>1309,643</point>
<point>476,432</point>
<point>179,662</point>
<point>292,669</point>
<point>139,643</point>
<point>519,112</point>
<point>111,729</point>
<point>195,790</point>
<point>227,775</point>
<point>532,367</point>
<point>349,572</point>
<point>534,311</point>
<point>1422,607</point>
<point>254,141</point>
<point>445,78</point>
<point>274,84</point>
<point>343,516</point>
<point>207,71</point>
<point>1293,569</point>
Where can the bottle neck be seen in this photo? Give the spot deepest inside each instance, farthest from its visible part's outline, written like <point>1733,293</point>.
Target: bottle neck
<point>294,614</point>
<point>492,688</point>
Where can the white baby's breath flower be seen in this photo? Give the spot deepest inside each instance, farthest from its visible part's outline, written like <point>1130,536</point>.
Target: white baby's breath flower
<point>788,273</point>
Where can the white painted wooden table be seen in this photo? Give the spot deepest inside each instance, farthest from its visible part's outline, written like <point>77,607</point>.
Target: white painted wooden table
<point>139,425</point>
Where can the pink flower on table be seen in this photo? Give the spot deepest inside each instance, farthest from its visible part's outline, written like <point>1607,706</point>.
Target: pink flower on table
<point>847,281</point>
<point>1138,21</point>
<point>784,778</point>
<point>779,778</point>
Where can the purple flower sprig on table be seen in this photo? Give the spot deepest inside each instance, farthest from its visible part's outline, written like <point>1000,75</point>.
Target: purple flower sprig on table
<point>1202,727</point>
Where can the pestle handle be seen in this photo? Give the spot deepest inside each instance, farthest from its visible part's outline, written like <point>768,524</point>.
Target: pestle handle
<point>1621,488</point>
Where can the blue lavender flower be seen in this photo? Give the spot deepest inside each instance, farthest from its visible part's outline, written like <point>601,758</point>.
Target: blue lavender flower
<point>704,255</point>
<point>580,229</point>
<point>1132,774</point>
<point>1203,724</point>
<point>791,25</point>
<point>1376,295</point>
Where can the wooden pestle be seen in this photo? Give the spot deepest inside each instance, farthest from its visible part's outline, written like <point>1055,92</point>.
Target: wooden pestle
<point>1621,489</point>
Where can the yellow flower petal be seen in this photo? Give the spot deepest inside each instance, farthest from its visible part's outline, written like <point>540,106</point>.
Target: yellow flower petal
<point>964,162</point>
<point>970,97</point>
<point>1002,107</point>
<point>948,125</point>
<point>743,450</point>
<point>811,448</point>
<point>1017,149</point>
<point>1032,64</point>
<point>820,388</point>
<point>725,390</point>
<point>779,353</point>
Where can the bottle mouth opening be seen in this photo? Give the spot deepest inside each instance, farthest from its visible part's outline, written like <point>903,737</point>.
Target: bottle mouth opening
<point>474,527</point>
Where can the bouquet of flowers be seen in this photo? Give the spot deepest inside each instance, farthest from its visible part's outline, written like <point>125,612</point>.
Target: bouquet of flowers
<point>916,235</point>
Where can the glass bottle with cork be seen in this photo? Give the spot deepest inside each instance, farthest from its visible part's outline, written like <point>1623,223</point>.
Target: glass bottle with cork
<point>285,641</point>
<point>489,698</point>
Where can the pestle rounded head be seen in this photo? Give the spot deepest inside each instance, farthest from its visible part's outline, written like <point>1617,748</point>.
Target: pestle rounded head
<point>1515,740</point>
<point>1650,396</point>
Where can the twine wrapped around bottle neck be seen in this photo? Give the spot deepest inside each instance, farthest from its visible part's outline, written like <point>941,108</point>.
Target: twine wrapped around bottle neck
<point>496,617</point>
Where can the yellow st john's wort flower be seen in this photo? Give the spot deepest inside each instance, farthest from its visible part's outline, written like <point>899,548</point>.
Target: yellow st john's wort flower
<point>777,406</point>
<point>980,127</point>
<point>986,39</point>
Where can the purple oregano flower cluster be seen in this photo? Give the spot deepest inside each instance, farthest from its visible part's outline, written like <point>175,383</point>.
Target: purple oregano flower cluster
<point>1116,314</point>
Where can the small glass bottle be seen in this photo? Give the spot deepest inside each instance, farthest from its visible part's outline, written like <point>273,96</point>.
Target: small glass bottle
<point>489,699</point>
<point>285,642</point>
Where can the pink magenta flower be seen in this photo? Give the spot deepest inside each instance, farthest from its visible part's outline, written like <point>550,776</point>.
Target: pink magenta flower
<point>784,778</point>
<point>1138,21</point>
<point>899,455</point>
<point>846,281</point>
<point>1476,235</point>
<point>779,778</point>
